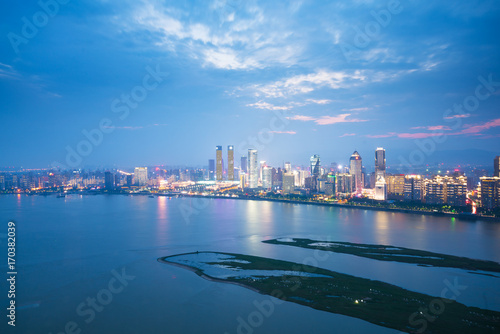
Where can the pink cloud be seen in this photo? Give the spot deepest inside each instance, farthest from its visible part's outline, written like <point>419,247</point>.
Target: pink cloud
<point>347,135</point>
<point>480,128</point>
<point>457,116</point>
<point>326,120</point>
<point>284,132</point>
<point>432,127</point>
<point>302,118</point>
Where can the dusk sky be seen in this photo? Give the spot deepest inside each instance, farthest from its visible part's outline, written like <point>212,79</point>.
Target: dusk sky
<point>167,81</point>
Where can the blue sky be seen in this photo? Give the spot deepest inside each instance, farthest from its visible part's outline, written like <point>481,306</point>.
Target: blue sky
<point>289,78</point>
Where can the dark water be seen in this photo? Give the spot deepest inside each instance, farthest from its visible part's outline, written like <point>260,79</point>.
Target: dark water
<point>71,250</point>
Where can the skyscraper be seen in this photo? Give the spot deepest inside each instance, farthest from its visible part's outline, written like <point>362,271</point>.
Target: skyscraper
<point>380,161</point>
<point>218,161</point>
<point>496,167</point>
<point>355,169</point>
<point>288,183</point>
<point>267,177</point>
<point>253,169</point>
<point>315,165</point>
<point>141,176</point>
<point>230,163</point>
<point>288,167</point>
<point>211,169</point>
<point>109,180</point>
<point>244,168</point>
<point>380,183</point>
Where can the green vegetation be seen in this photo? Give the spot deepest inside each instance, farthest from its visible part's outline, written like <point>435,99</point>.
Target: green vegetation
<point>373,301</point>
<point>391,253</point>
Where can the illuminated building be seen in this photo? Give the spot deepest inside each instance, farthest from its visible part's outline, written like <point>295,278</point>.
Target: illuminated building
<point>356,170</point>
<point>141,176</point>
<point>380,182</point>
<point>288,183</point>
<point>218,161</point>
<point>230,163</point>
<point>211,169</point>
<point>2,182</point>
<point>413,188</point>
<point>446,190</point>
<point>395,186</point>
<point>288,167</point>
<point>243,180</point>
<point>244,165</point>
<point>490,192</point>
<point>267,177</point>
<point>344,186</point>
<point>253,169</point>
<point>315,166</point>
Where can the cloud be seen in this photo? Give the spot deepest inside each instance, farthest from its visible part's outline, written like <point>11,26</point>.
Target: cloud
<point>325,101</point>
<point>457,116</point>
<point>244,39</point>
<point>468,130</point>
<point>7,71</point>
<point>432,127</point>
<point>357,109</point>
<point>134,127</point>
<point>284,132</point>
<point>347,135</point>
<point>268,106</point>
<point>326,120</point>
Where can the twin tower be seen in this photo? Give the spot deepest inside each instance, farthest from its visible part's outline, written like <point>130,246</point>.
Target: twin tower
<point>219,170</point>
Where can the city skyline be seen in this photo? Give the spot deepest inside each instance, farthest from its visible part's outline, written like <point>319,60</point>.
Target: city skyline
<point>335,77</point>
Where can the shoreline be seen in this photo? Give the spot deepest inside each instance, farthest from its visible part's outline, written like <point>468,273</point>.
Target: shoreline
<point>463,216</point>
<point>361,207</point>
<point>201,274</point>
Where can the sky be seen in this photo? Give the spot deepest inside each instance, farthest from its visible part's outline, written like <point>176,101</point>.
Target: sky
<point>131,83</point>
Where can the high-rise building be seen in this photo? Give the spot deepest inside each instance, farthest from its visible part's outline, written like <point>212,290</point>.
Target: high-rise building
<point>267,177</point>
<point>141,176</point>
<point>218,161</point>
<point>380,182</point>
<point>380,161</point>
<point>244,168</point>
<point>490,192</point>
<point>288,183</point>
<point>413,188</point>
<point>395,186</point>
<point>288,167</point>
<point>253,169</point>
<point>230,163</point>
<point>109,180</point>
<point>496,167</point>
<point>315,166</point>
<point>446,190</point>
<point>211,169</point>
<point>356,169</point>
<point>344,185</point>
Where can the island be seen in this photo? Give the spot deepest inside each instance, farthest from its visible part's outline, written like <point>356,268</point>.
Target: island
<point>377,302</point>
<point>392,253</point>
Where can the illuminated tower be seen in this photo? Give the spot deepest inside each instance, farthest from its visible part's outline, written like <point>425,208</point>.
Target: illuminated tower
<point>230,163</point>
<point>218,162</point>
<point>244,165</point>
<point>141,176</point>
<point>253,169</point>
<point>380,183</point>
<point>355,169</point>
<point>315,165</point>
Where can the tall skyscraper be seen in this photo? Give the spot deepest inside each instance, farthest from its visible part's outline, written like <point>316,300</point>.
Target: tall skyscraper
<point>380,161</point>
<point>230,163</point>
<point>141,176</point>
<point>267,177</point>
<point>253,169</point>
<point>490,192</point>
<point>211,169</point>
<point>356,170</point>
<point>288,167</point>
<point>244,168</point>
<point>109,180</point>
<point>315,165</point>
<point>496,167</point>
<point>218,161</point>
<point>288,183</point>
<point>380,183</point>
